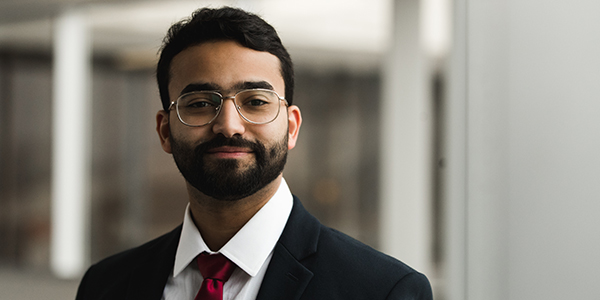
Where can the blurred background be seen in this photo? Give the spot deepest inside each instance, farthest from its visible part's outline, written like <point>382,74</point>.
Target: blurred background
<point>461,137</point>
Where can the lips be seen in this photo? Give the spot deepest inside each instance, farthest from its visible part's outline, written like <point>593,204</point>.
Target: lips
<point>229,152</point>
<point>229,149</point>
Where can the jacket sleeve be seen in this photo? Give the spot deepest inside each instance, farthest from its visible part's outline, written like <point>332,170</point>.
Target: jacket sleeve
<point>413,286</point>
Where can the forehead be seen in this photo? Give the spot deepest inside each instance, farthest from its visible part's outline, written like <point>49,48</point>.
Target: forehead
<point>224,64</point>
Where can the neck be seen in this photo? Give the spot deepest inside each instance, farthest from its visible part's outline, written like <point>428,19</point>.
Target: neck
<point>218,221</point>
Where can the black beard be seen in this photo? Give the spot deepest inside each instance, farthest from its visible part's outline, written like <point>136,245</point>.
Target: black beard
<point>224,180</point>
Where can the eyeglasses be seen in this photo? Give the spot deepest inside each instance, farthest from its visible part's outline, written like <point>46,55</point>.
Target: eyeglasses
<point>256,106</point>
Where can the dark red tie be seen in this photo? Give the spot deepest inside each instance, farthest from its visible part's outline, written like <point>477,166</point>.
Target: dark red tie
<point>216,270</point>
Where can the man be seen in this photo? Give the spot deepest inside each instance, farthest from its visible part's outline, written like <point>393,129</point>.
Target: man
<point>226,85</point>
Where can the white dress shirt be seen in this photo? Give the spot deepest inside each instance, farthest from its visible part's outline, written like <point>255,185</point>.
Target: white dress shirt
<point>250,249</point>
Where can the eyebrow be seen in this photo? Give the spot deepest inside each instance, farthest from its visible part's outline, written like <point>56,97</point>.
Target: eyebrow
<point>206,86</point>
<point>198,87</point>
<point>253,85</point>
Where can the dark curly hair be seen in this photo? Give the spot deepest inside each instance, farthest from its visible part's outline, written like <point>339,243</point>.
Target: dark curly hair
<point>225,23</point>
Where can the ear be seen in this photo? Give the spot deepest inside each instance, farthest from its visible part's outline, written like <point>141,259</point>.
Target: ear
<point>294,122</point>
<point>163,130</point>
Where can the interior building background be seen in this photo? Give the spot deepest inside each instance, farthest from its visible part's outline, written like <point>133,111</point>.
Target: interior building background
<point>458,136</point>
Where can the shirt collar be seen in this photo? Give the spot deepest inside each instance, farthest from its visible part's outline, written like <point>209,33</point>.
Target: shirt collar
<point>250,247</point>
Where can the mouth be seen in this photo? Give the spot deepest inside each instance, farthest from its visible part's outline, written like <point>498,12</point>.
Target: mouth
<point>229,152</point>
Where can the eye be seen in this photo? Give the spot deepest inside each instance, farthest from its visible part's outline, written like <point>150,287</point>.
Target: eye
<point>199,101</point>
<point>256,102</point>
<point>199,104</point>
<point>255,99</point>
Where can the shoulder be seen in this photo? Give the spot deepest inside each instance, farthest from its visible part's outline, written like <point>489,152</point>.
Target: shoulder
<point>112,275</point>
<point>353,256</point>
<point>130,258</point>
<point>345,268</point>
<point>341,248</point>
<point>362,269</point>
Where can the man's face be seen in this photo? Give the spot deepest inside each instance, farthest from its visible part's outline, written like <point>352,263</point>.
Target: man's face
<point>229,158</point>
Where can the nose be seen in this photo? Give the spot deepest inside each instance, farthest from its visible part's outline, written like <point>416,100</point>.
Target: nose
<point>228,122</point>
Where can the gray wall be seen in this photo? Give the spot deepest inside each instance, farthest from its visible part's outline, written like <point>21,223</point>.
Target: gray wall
<point>524,138</point>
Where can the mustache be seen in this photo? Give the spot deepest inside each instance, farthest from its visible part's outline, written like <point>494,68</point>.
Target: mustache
<point>221,140</point>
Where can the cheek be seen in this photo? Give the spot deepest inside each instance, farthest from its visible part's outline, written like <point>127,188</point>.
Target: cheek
<point>192,136</point>
<point>272,135</point>
<point>279,142</point>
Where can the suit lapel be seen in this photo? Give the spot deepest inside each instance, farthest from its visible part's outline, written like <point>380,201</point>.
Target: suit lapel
<point>149,278</point>
<point>286,276</point>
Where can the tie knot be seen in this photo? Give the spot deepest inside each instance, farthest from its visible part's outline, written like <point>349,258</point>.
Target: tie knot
<point>215,266</point>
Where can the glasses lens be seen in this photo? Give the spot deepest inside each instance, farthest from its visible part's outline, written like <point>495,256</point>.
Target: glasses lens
<point>198,108</point>
<point>258,106</point>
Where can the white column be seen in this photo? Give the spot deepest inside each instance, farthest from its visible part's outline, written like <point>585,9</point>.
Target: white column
<point>405,144</point>
<point>71,151</point>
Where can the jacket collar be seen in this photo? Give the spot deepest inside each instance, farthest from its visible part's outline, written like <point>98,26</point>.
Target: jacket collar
<point>286,276</point>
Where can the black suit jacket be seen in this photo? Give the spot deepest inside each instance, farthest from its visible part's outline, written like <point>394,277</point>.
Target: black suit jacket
<point>310,261</point>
